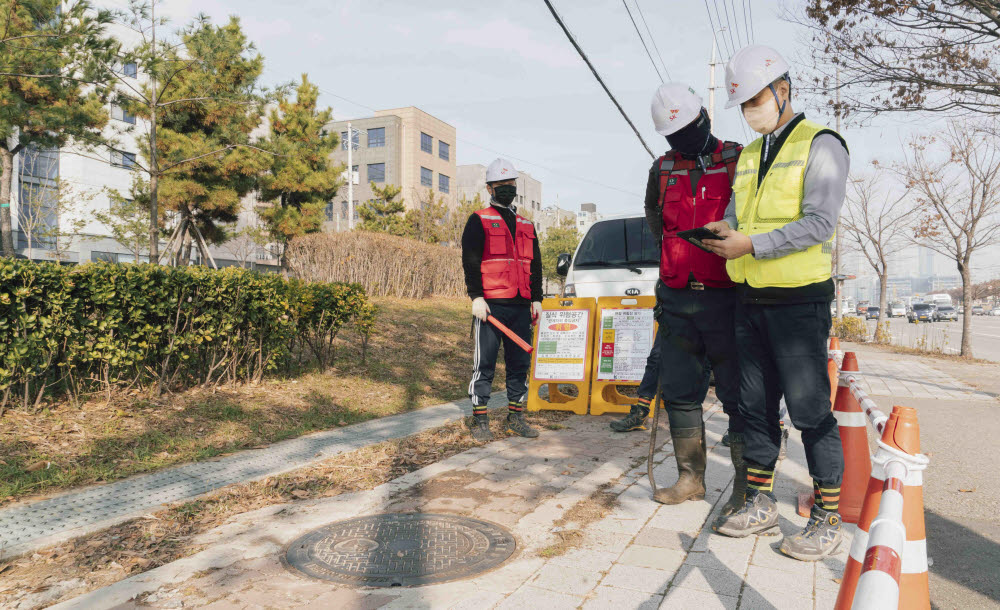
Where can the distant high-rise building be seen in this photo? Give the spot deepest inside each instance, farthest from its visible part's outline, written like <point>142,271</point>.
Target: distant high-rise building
<point>925,262</point>
<point>586,216</point>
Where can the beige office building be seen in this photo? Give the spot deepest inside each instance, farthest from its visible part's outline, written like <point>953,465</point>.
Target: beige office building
<point>404,146</point>
<point>472,182</point>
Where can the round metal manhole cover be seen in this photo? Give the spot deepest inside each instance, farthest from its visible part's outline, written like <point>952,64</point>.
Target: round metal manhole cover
<point>401,550</point>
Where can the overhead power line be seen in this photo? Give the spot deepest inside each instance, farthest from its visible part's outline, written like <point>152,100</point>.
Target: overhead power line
<point>653,39</point>
<point>502,154</point>
<point>725,43</point>
<point>643,41</point>
<point>737,44</point>
<point>746,23</point>
<point>597,76</point>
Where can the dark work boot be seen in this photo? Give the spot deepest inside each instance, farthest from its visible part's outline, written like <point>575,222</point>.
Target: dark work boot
<point>820,537</point>
<point>480,427</point>
<point>725,439</point>
<point>758,513</point>
<point>517,425</point>
<point>689,451</point>
<point>736,500</point>
<point>635,420</point>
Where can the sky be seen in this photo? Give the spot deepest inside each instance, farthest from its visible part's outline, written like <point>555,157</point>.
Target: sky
<point>505,76</point>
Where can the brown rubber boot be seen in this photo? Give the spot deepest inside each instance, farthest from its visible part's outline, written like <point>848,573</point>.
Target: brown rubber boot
<point>689,451</point>
<point>736,500</point>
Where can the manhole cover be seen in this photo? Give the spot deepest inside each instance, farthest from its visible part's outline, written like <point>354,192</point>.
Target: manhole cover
<point>400,549</point>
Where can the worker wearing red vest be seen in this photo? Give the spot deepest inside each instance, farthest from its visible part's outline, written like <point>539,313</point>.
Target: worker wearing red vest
<point>503,277</point>
<point>688,187</point>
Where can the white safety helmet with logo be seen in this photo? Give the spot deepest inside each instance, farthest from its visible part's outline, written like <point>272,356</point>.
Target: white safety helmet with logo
<point>674,106</point>
<point>751,70</point>
<point>500,169</point>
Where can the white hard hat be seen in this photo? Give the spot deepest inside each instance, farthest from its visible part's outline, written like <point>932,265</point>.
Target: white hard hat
<point>674,106</point>
<point>751,70</point>
<point>500,169</point>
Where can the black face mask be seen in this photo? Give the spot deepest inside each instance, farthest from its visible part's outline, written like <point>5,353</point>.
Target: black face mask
<point>694,139</point>
<point>504,193</point>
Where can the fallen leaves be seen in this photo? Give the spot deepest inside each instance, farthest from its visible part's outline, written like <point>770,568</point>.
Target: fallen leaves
<point>968,491</point>
<point>38,466</point>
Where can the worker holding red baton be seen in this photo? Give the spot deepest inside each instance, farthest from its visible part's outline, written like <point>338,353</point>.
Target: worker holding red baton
<point>503,276</point>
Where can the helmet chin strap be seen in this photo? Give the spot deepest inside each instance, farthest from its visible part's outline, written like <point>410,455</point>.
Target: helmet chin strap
<point>780,104</point>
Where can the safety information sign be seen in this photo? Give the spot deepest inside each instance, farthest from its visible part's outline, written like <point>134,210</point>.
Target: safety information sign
<point>563,335</point>
<point>626,338</point>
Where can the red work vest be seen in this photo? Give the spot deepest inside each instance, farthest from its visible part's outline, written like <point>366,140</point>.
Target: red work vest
<point>682,211</point>
<point>506,265</point>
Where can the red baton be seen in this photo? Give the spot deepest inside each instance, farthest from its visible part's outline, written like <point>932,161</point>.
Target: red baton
<point>513,337</point>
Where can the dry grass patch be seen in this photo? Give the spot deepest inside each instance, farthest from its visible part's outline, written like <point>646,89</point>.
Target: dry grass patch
<point>420,356</point>
<point>570,528</point>
<point>104,558</point>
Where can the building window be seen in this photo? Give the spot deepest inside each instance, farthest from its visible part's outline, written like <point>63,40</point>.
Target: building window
<point>444,183</point>
<point>356,137</point>
<point>426,143</point>
<point>122,159</point>
<point>120,114</point>
<point>329,211</point>
<point>376,172</point>
<point>103,257</point>
<point>129,69</point>
<point>444,150</point>
<point>38,196</point>
<point>426,177</point>
<point>376,137</point>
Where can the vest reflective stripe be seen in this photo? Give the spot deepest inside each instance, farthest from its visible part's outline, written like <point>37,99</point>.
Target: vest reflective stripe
<point>777,202</point>
<point>506,263</point>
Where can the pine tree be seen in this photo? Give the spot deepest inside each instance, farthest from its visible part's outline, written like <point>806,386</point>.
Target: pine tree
<point>128,216</point>
<point>49,52</point>
<point>560,239</point>
<point>457,217</point>
<point>427,222</point>
<point>384,213</point>
<point>301,178</point>
<point>203,146</point>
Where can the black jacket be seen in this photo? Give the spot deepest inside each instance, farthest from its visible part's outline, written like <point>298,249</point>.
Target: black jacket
<point>473,240</point>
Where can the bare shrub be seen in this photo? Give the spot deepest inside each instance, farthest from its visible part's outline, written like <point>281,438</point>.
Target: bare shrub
<point>386,265</point>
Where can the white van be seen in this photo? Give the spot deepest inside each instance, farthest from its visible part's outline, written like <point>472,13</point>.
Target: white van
<point>619,256</point>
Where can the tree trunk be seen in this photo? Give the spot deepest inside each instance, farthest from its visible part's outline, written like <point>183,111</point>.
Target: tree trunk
<point>883,297</point>
<point>185,257</point>
<point>154,229</point>
<point>966,273</point>
<point>6,226</point>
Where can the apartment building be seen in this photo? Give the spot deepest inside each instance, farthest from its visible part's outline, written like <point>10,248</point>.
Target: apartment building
<point>405,147</point>
<point>472,182</point>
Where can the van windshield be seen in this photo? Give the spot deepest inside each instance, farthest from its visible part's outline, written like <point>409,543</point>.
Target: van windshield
<point>921,306</point>
<point>618,243</point>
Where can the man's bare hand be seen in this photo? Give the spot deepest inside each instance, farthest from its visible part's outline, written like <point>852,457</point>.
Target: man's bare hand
<point>719,227</point>
<point>734,245</point>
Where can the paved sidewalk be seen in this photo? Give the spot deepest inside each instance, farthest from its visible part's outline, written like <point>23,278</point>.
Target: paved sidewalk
<point>26,527</point>
<point>641,555</point>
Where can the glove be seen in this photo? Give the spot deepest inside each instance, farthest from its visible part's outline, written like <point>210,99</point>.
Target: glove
<point>536,311</point>
<point>479,308</point>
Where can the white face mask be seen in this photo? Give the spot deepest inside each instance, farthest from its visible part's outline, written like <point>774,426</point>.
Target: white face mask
<point>764,118</point>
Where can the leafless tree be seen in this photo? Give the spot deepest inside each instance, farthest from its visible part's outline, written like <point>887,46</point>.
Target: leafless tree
<point>48,208</point>
<point>878,222</point>
<point>956,180</point>
<point>905,56</point>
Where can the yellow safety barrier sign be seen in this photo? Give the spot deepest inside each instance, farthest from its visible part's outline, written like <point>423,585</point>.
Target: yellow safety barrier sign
<point>625,333</point>
<point>563,353</point>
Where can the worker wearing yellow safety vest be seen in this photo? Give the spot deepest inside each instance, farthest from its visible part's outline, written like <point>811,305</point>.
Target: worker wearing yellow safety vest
<point>777,235</point>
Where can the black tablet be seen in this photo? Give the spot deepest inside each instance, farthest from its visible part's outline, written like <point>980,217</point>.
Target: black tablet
<point>696,236</point>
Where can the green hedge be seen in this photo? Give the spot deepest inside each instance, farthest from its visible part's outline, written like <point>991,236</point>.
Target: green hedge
<point>101,326</point>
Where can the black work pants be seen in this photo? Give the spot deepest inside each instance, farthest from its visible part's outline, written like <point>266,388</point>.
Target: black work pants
<point>487,345</point>
<point>696,328</point>
<point>783,349</point>
<point>651,376</point>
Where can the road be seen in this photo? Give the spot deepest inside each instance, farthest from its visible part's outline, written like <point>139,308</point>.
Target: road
<point>948,335</point>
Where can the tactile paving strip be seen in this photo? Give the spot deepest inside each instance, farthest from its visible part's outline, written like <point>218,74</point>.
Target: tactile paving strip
<point>401,550</point>
<point>31,526</point>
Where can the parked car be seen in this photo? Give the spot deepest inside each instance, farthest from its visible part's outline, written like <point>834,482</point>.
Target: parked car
<point>862,308</point>
<point>921,312</point>
<point>872,313</point>
<point>897,310</point>
<point>977,310</point>
<point>995,312</point>
<point>617,257</point>
<point>946,312</point>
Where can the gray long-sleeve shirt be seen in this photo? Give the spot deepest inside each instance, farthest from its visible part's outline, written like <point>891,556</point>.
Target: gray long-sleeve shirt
<point>824,189</point>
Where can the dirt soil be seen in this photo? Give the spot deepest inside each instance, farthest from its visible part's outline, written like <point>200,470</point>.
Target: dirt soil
<point>98,560</point>
<point>419,357</point>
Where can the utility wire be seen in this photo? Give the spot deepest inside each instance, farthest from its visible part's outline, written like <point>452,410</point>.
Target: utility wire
<point>651,37</point>
<point>746,21</point>
<point>597,76</point>
<point>502,154</point>
<point>724,48</point>
<point>738,43</point>
<point>643,41</point>
<point>752,28</point>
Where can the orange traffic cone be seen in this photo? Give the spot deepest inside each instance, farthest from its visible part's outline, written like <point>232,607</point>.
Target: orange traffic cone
<point>834,344</point>
<point>902,433</point>
<point>831,369</point>
<point>850,362</point>
<point>853,426</point>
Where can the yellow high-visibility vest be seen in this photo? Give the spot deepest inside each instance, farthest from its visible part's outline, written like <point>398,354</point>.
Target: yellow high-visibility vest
<point>776,203</point>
